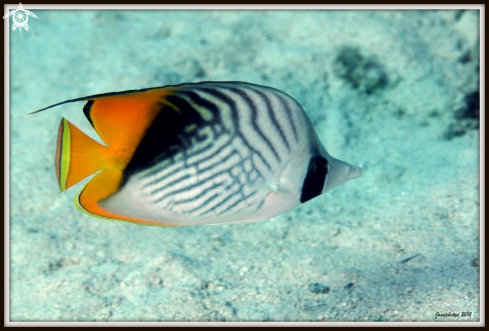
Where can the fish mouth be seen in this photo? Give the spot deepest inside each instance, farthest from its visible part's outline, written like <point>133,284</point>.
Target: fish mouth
<point>340,172</point>
<point>354,172</point>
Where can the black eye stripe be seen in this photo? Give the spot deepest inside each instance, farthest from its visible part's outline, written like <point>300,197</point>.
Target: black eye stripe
<point>315,177</point>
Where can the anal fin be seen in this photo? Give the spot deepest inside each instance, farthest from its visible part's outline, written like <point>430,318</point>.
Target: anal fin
<point>100,187</point>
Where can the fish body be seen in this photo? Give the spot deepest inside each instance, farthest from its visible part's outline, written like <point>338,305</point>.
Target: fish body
<point>196,153</point>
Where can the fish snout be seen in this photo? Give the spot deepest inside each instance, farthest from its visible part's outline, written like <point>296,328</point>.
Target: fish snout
<point>340,172</point>
<point>354,172</point>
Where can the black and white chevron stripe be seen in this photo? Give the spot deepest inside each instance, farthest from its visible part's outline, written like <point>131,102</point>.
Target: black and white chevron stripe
<point>230,142</point>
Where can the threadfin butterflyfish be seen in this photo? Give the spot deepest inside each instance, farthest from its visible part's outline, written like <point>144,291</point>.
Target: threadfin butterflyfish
<point>195,153</point>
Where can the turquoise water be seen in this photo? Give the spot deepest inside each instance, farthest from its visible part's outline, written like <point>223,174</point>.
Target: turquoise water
<point>395,92</point>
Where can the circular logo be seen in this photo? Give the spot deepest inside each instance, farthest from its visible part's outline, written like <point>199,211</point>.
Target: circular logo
<point>20,17</point>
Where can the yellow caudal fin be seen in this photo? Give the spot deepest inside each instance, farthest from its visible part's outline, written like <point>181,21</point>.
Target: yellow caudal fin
<point>77,155</point>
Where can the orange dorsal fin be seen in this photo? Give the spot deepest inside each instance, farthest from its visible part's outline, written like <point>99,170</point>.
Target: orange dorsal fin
<point>121,118</point>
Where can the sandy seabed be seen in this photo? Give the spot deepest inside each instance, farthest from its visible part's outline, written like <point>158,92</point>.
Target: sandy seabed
<point>396,92</point>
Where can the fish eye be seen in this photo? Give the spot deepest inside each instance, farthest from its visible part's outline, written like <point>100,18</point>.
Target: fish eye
<point>319,166</point>
<point>320,169</point>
